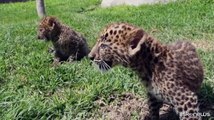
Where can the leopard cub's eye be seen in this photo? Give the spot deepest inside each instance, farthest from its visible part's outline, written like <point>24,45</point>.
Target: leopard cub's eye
<point>102,38</point>
<point>41,29</point>
<point>103,46</point>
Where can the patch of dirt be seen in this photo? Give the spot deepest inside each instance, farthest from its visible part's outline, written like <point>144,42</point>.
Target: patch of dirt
<point>206,45</point>
<point>129,106</point>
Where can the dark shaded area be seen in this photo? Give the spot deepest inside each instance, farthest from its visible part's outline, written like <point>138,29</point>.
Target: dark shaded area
<point>12,1</point>
<point>206,100</point>
<point>2,81</point>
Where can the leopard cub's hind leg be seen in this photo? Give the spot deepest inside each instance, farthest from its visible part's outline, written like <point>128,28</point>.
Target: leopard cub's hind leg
<point>186,106</point>
<point>154,107</point>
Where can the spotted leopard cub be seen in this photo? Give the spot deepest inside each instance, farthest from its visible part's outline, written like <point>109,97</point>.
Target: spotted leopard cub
<point>68,44</point>
<point>172,73</point>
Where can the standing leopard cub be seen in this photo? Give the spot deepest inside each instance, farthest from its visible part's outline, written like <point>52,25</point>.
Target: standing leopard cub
<point>172,73</point>
<point>68,44</point>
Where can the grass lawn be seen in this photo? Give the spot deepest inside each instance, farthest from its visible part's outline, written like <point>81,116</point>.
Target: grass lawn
<point>30,88</point>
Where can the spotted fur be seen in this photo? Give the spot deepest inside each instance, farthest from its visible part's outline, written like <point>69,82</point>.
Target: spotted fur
<point>68,44</point>
<point>171,73</point>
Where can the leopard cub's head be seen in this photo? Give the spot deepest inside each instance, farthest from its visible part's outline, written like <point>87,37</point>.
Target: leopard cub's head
<point>116,44</point>
<point>47,28</point>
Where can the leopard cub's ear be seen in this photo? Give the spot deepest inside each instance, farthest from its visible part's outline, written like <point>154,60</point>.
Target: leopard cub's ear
<point>137,38</point>
<point>51,21</point>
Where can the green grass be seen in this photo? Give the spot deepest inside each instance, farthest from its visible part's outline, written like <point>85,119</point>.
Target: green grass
<point>30,88</point>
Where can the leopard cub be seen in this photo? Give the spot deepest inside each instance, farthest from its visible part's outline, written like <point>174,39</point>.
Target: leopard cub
<point>68,44</point>
<point>171,73</point>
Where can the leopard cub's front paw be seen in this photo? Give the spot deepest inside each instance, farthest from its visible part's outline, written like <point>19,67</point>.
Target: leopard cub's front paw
<point>56,62</point>
<point>71,59</point>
